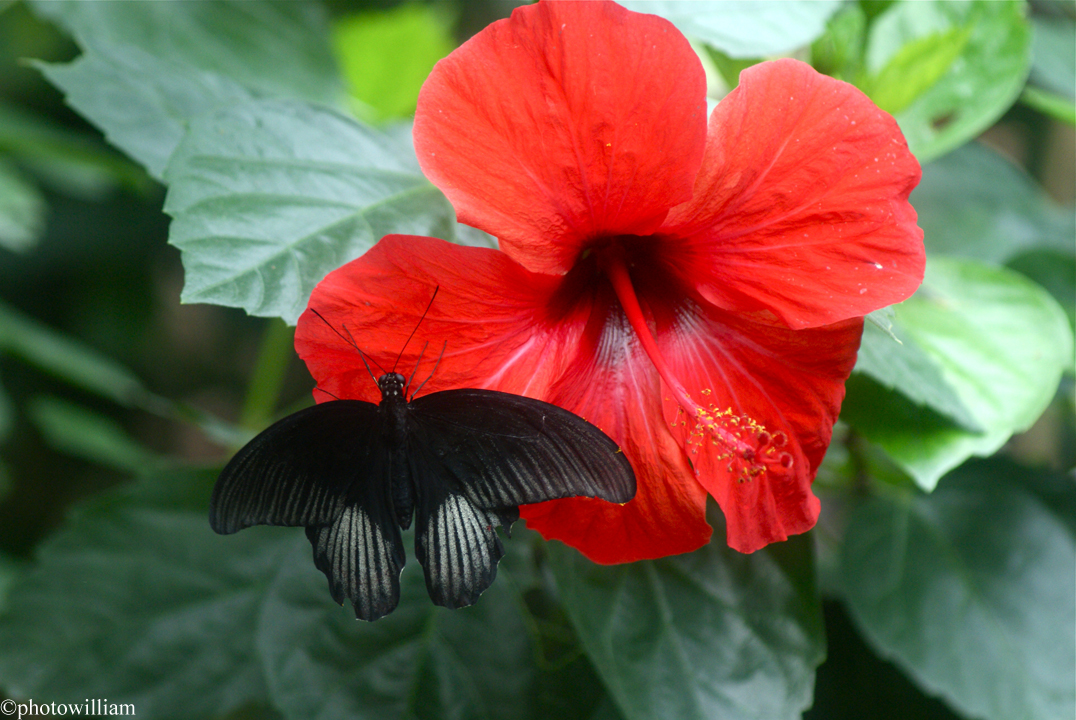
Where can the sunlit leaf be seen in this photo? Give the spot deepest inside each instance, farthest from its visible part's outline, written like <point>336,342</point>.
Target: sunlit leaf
<point>1001,343</point>
<point>269,196</point>
<point>902,366</point>
<point>972,591</point>
<point>915,68</point>
<point>979,84</point>
<point>386,55</point>
<point>709,634</point>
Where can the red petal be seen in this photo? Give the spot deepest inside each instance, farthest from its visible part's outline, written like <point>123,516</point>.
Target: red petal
<point>504,330</point>
<point>786,381</point>
<point>568,121</point>
<point>801,206</point>
<point>614,386</point>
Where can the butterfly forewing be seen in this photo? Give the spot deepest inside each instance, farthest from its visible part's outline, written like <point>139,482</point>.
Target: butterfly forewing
<point>298,471</point>
<point>508,450</point>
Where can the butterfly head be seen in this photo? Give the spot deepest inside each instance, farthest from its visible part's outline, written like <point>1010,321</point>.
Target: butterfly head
<point>392,384</point>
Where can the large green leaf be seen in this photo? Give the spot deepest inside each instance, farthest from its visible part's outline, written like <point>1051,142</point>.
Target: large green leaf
<point>977,86</point>
<point>710,634</point>
<point>420,661</point>
<point>268,196</point>
<point>138,601</point>
<point>900,365</point>
<point>148,68</point>
<point>1001,343</point>
<point>972,590</point>
<point>975,203</point>
<point>141,102</point>
<point>744,29</point>
<point>241,41</point>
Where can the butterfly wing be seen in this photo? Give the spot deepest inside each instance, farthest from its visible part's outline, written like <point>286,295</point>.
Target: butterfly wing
<point>361,552</point>
<point>298,471</point>
<point>509,450</point>
<point>476,456</point>
<point>324,468</point>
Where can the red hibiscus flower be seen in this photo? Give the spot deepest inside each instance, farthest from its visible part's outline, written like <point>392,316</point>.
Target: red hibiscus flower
<point>694,289</point>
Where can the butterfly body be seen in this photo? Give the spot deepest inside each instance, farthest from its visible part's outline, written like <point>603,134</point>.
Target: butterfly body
<point>460,462</point>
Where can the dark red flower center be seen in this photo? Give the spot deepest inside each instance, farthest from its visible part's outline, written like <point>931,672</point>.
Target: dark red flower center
<point>617,277</point>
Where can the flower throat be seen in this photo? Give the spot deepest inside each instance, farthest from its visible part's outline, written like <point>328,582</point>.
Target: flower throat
<point>748,446</point>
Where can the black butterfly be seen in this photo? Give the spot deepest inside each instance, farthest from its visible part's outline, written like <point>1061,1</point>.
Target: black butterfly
<point>353,473</point>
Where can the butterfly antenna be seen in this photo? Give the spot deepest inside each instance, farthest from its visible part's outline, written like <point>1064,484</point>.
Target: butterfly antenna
<point>435,366</point>
<point>350,340</point>
<point>334,397</point>
<point>415,370</point>
<point>416,327</point>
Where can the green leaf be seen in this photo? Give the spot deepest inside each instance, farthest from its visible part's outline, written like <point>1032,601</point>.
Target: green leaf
<point>1056,106</point>
<point>77,431</point>
<point>744,29</point>
<point>68,360</point>
<point>269,196</point>
<point>420,661</point>
<point>1001,343</point>
<point>83,367</point>
<point>839,51</point>
<point>386,56</point>
<point>136,600</point>
<point>978,86</point>
<point>273,48</point>
<point>974,203</point>
<point>710,634</point>
<point>900,365</point>
<point>1053,48</point>
<point>148,68</point>
<point>9,572</point>
<point>72,162</point>
<point>142,103</point>
<point>22,209</point>
<point>971,591</point>
<point>915,68</point>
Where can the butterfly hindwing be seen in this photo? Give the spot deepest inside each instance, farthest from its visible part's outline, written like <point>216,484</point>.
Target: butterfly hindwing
<point>361,555</point>
<point>298,471</point>
<point>508,450</point>
<point>455,542</point>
